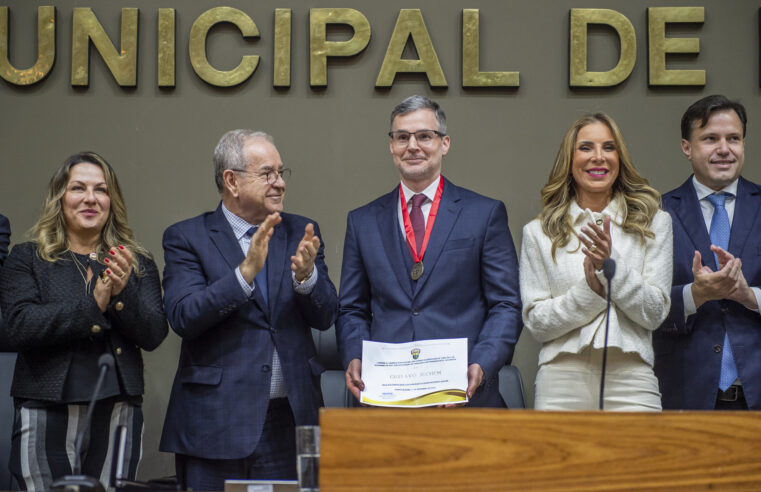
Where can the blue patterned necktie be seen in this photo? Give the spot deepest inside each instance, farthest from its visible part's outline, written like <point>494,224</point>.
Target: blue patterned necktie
<point>720,237</point>
<point>261,277</point>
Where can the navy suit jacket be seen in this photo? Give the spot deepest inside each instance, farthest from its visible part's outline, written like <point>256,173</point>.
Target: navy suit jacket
<point>688,353</point>
<point>220,394</point>
<point>469,288</point>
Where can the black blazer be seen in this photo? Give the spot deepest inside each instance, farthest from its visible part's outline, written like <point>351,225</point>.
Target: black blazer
<point>47,315</point>
<point>5,240</point>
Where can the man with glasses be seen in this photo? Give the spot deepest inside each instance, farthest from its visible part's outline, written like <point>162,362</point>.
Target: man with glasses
<point>430,260</point>
<point>243,285</point>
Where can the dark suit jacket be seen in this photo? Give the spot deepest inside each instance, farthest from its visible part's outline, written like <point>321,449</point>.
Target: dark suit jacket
<point>5,241</point>
<point>469,287</point>
<point>688,354</point>
<point>5,238</point>
<point>48,317</point>
<point>221,391</point>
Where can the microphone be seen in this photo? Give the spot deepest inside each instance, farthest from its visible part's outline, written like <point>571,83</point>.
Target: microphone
<point>608,270</point>
<point>76,481</point>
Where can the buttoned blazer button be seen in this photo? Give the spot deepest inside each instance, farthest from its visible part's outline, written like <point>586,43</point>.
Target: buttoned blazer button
<point>119,306</point>
<point>415,312</point>
<point>724,309</point>
<point>95,329</point>
<point>717,348</point>
<point>265,368</point>
<point>118,351</point>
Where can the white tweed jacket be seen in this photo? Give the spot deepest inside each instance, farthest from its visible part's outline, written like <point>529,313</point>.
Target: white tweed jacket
<point>563,313</point>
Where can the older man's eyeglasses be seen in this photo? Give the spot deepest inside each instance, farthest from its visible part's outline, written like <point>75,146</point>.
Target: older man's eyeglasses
<point>269,176</point>
<point>401,138</point>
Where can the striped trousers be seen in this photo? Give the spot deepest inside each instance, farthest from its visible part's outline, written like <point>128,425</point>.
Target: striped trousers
<point>44,437</point>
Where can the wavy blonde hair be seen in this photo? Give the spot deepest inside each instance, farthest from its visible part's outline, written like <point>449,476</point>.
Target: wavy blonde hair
<point>640,199</point>
<point>49,233</point>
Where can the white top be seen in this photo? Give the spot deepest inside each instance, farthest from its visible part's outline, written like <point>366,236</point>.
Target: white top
<point>563,313</point>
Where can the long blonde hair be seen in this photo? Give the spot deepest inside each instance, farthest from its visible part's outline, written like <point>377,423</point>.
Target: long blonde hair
<point>49,233</point>
<point>641,200</point>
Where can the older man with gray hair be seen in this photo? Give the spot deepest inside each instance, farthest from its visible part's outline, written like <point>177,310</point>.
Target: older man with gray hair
<point>243,285</point>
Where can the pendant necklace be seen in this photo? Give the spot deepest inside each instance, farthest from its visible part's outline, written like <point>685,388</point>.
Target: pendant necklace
<point>82,269</point>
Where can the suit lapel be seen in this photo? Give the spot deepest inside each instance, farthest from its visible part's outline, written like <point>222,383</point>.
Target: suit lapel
<point>687,209</point>
<point>746,210</point>
<point>449,209</point>
<point>224,239</point>
<point>387,222</point>
<point>276,263</point>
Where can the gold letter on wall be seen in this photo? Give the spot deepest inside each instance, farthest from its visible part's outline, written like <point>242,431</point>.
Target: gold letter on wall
<point>471,76</point>
<point>580,20</point>
<point>45,48</point>
<point>281,72</point>
<point>320,48</point>
<point>660,45</point>
<point>197,46</point>
<point>410,23</point>
<point>122,63</point>
<point>166,48</point>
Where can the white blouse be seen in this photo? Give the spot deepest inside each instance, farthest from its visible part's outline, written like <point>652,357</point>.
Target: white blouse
<point>563,313</point>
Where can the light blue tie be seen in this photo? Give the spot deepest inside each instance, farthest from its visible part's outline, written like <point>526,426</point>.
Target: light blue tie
<point>720,237</point>
<point>261,277</point>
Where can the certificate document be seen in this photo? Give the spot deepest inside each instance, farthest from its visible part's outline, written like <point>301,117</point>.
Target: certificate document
<point>415,374</point>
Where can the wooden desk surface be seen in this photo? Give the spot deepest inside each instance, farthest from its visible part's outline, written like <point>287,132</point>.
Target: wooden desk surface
<point>480,449</point>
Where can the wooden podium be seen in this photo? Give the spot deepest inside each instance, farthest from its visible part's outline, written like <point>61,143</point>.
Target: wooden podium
<point>484,449</point>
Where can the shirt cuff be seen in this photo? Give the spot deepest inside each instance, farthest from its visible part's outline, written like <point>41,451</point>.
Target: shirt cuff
<point>248,289</point>
<point>757,293</point>
<point>689,301</point>
<point>307,286</point>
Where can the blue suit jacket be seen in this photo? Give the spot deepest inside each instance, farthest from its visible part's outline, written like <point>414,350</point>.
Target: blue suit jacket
<point>688,353</point>
<point>220,394</point>
<point>469,287</point>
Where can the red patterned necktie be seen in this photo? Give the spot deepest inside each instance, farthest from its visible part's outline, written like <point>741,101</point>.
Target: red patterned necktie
<point>417,220</point>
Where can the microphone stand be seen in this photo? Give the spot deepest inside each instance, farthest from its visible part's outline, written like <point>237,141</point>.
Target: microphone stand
<point>608,269</point>
<point>77,482</point>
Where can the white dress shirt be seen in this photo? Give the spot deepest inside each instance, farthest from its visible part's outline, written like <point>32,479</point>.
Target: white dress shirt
<point>429,192</point>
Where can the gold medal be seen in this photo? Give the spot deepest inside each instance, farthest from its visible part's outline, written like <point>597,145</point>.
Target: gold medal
<point>417,270</point>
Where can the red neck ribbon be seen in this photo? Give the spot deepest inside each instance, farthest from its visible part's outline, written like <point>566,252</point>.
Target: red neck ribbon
<point>409,232</point>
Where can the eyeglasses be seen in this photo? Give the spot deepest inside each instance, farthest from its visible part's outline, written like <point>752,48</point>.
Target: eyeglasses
<point>270,176</point>
<point>401,138</point>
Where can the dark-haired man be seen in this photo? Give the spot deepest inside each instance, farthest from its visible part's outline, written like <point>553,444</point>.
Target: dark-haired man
<point>708,351</point>
<point>436,262</point>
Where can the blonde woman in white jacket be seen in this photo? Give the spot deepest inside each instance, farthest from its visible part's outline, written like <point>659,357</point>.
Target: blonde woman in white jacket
<point>595,205</point>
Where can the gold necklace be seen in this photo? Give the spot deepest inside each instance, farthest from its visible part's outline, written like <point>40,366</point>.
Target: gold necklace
<point>82,269</point>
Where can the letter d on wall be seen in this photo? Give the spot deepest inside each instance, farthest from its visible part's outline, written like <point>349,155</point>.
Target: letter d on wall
<point>580,20</point>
